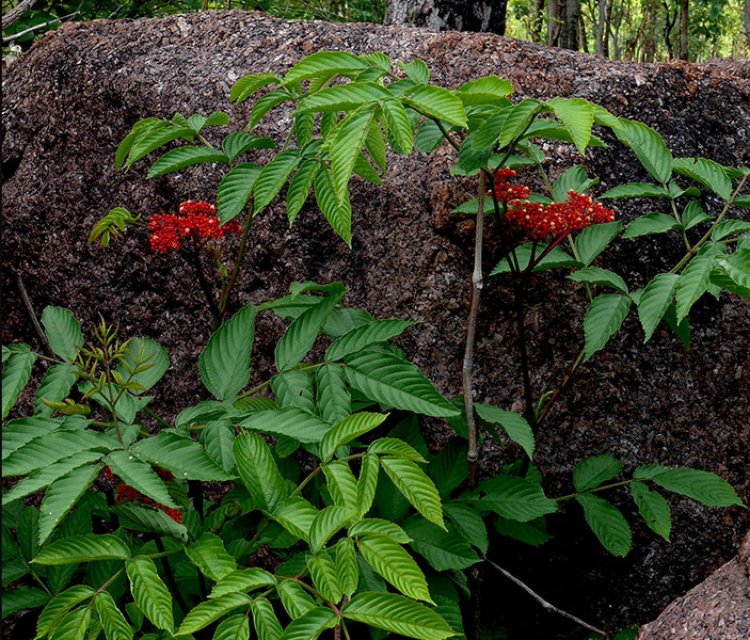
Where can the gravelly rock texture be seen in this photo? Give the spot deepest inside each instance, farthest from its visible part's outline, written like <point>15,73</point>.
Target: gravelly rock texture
<point>69,102</point>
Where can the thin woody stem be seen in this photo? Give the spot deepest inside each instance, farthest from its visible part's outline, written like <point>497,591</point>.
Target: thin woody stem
<point>229,285</point>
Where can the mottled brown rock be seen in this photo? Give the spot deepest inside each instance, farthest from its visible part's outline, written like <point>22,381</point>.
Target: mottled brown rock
<point>717,609</point>
<point>70,101</point>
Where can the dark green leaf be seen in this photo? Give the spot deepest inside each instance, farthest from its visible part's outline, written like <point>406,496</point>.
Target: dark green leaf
<point>591,472</point>
<point>182,157</point>
<point>702,486</point>
<point>650,224</point>
<point>654,301</point>
<point>603,319</point>
<point>653,508</point>
<point>607,523</point>
<point>235,190</point>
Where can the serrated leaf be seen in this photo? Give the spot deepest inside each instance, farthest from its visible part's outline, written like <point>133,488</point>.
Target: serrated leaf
<point>603,319</point>
<point>515,498</point>
<point>62,495</point>
<point>374,332</point>
<point>54,387</point>
<point>151,138</point>
<point>294,598</point>
<point>693,215</point>
<point>399,126</point>
<point>21,598</point>
<point>310,625</point>
<point>737,266</point>
<point>518,119</point>
<point>235,627</point>
<point>83,548</point>
<point>555,259</point>
<point>344,97</point>
<point>394,564</point>
<point>636,190</point>
<point>137,518</point>
<point>294,389</point>
<point>706,172</point>
<point>591,472</point>
<point>607,523</point>
<point>347,567</point>
<point>258,471</point>
<point>654,300</point>
<point>348,429</point>
<point>242,581</point>
<point>334,398</point>
<point>416,487</point>
<point>574,179</point>
<point>140,476</point>
<point>367,483</point>
<point>266,624</point>
<point>272,178</point>
<point>594,239</point>
<point>181,455</point>
<point>218,440</point>
<point>326,524</point>
<point>56,609</point>
<point>225,362</point>
<point>345,148</point>
<point>653,508</point>
<point>63,332</point>
<point>16,375</point>
<point>182,157</point>
<point>150,593</point>
<point>41,452</point>
<point>299,188</point>
<point>727,228</point>
<point>397,614</point>
<point>73,626</point>
<point>395,383</point>
<point>577,115</point>
<point>341,484</point>
<point>208,554</point>
<point>115,625</point>
<point>325,62</point>
<point>514,425</point>
<point>239,142</point>
<point>648,146</point>
<point>235,190</point>
<point>702,486</point>
<point>429,137</point>
<point>380,527</point>
<point>263,105</point>
<point>324,578</point>
<point>336,211</point>
<point>693,283</point>
<point>603,277</point>
<point>248,85</point>
<point>292,423</point>
<point>210,611</point>
<point>484,90</point>
<point>650,224</point>
<point>296,515</point>
<point>145,362</point>
<point>449,467</point>
<point>468,523</point>
<point>444,550</point>
<point>438,103</point>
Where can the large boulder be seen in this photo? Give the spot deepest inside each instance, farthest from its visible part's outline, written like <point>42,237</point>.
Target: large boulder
<point>72,98</point>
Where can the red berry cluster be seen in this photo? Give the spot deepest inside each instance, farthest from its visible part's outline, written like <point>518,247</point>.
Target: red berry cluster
<point>126,493</point>
<point>195,220</point>
<point>539,221</point>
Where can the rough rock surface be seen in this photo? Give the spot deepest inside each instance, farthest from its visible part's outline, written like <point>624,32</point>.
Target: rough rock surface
<point>718,608</point>
<point>69,102</point>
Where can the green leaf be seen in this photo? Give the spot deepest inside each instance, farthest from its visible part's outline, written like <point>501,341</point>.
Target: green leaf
<point>267,625</point>
<point>53,614</point>
<point>345,148</point>
<point>324,63</point>
<point>348,429</point>
<point>429,137</point>
<point>272,178</point>
<point>208,554</point>
<point>706,172</point>
<point>648,146</point>
<point>74,625</point>
<point>485,90</point>
<point>380,527</point>
<point>518,119</point>
<point>577,115</point>
<point>555,259</point>
<point>326,523</point>
<point>702,486</point>
<point>111,225</point>
<point>137,518</point>
<point>239,142</point>
<point>515,498</point>
<point>636,190</point>
<point>334,399</point>
<point>375,145</point>
<point>653,508</point>
<point>248,85</point>
<point>338,213</point>
<point>728,228</point>
<point>258,471</point>
<point>416,487</point>
<point>594,239</point>
<point>311,624</point>
<point>16,375</point>
<point>40,452</point>
<point>574,179</point>
<point>210,611</point>
<point>397,614</point>
<point>115,625</point>
<point>393,563</point>
<point>299,188</point>
<point>514,425</point>
<point>591,472</point>
<point>607,523</point>
<point>532,533</point>
<point>140,476</point>
<point>416,70</point>
<point>54,387</point>
<point>294,389</point>
<point>444,550</point>
<point>603,319</point>
<point>21,598</point>
<point>324,578</point>
<point>341,484</point>
<point>449,467</point>
<point>344,97</point>
<point>294,598</point>
<point>603,277</point>
<point>438,103</point>
<point>367,484</point>
<point>737,267</point>
<point>292,423</point>
<point>399,127</point>
<point>693,283</point>
<point>263,105</point>
<point>693,215</point>
<point>225,362</point>
<point>235,627</point>
<point>243,581</point>
<point>393,382</point>
<point>150,593</point>
<point>181,455</point>
<point>235,190</point>
<point>63,332</point>
<point>347,567</point>
<point>153,137</point>
<point>654,300</point>
<point>374,332</point>
<point>182,157</point>
<point>650,224</point>
<point>296,515</point>
<point>62,495</point>
<point>83,548</point>
<point>468,523</point>
<point>218,440</point>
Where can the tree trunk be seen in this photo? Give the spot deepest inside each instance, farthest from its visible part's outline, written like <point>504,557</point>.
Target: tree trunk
<point>670,18</point>
<point>537,20</point>
<point>683,29</point>
<point>601,25</point>
<point>553,22</point>
<point>475,15</point>
<point>16,12</point>
<point>569,35</point>
<point>650,14</point>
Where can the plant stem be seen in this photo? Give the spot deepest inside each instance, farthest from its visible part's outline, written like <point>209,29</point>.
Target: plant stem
<point>472,455</point>
<point>677,217</point>
<point>561,386</point>
<point>227,289</point>
<point>195,260</point>
<point>169,574</point>
<point>157,417</point>
<point>604,487</point>
<point>519,286</point>
<point>545,604</point>
<point>32,315</point>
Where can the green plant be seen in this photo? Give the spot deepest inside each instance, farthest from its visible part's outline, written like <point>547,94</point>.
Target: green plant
<point>306,496</point>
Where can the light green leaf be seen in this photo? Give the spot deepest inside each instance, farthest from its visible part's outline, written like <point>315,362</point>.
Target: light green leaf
<point>267,625</point>
<point>429,137</point>
<point>210,611</point>
<point>208,554</point>
<point>654,301</point>
<point>294,389</point>
<point>693,215</point>
<point>518,119</point>
<point>650,224</point>
<point>294,598</point>
<point>653,508</point>
<point>324,578</point>
<point>367,483</point>
<point>182,157</point>
<point>248,85</point>
<point>326,524</point>
<point>296,515</point>
<point>555,259</point>
<point>444,550</point>
<point>594,239</point>
<point>239,142</point>
<point>58,607</point>
<point>323,63</point>
<point>591,472</point>
<point>62,495</point>
<point>438,103</point>
<point>115,625</point>
<point>152,137</point>
<point>636,190</point>
<point>341,484</point>
<point>485,90</point>
<point>693,283</point>
<point>235,627</point>
<point>345,148</point>
<point>394,564</point>
<point>63,332</point>
<point>83,548</point>
<point>706,172</point>
<point>374,332</point>
<point>44,451</point>
<point>311,624</point>
<point>375,145</point>
<point>702,486</point>
<point>235,190</point>
<point>347,567</point>
<point>334,398</point>
<point>648,146</point>
<point>263,105</point>
<point>395,383</point>
<point>577,115</point>
<point>607,523</point>
<point>728,228</point>
<point>603,319</point>
<point>397,614</point>
<point>150,593</point>
<point>258,471</point>
<point>292,423</point>
<point>242,581</point>
<point>574,179</point>
<point>380,527</point>
<point>348,429</point>
<point>181,455</point>
<point>225,362</point>
<point>272,178</point>
<point>513,424</point>
<point>336,211</point>
<point>416,487</point>
<point>140,476</point>
<point>16,375</point>
<point>73,626</point>
<point>603,277</point>
<point>344,97</point>
<point>299,188</point>
<point>468,523</point>
<point>54,387</point>
<point>399,127</point>
<point>515,498</point>
<point>737,267</point>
